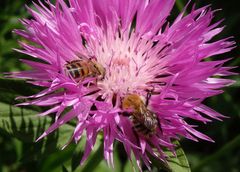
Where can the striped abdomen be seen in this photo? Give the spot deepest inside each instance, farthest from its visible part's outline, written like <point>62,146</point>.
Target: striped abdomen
<point>80,69</point>
<point>144,123</point>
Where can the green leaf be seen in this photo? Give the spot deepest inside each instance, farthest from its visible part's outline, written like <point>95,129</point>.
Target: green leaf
<point>18,87</point>
<point>10,89</point>
<point>178,163</point>
<point>64,169</point>
<point>54,162</point>
<point>95,158</point>
<point>26,126</point>
<point>19,122</point>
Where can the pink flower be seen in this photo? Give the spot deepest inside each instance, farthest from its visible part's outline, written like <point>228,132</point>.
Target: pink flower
<point>140,53</point>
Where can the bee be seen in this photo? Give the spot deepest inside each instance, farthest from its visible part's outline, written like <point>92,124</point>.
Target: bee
<point>144,121</point>
<point>82,68</point>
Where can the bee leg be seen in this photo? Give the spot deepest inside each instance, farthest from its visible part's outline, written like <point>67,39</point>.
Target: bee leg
<point>149,94</point>
<point>88,84</point>
<point>92,83</point>
<point>80,80</point>
<point>95,82</point>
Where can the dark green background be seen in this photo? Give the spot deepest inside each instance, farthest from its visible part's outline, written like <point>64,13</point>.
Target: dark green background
<point>18,152</point>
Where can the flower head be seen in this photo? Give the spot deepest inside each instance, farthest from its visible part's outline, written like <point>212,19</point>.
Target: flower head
<point>141,54</point>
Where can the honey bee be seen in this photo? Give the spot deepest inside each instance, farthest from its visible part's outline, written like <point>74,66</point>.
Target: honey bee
<point>144,121</point>
<point>82,68</point>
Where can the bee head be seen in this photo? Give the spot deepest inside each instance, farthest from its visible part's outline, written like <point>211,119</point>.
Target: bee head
<point>100,69</point>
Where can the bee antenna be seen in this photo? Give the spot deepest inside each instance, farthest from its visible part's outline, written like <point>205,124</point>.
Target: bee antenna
<point>149,94</point>
<point>92,57</point>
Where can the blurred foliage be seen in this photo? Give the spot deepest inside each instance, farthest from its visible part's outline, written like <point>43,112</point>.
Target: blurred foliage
<point>19,127</point>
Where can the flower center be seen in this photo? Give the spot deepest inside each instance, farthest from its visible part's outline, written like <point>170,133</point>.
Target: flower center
<point>124,70</point>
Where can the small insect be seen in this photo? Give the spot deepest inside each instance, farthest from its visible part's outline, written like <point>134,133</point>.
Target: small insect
<point>144,121</point>
<point>82,68</point>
